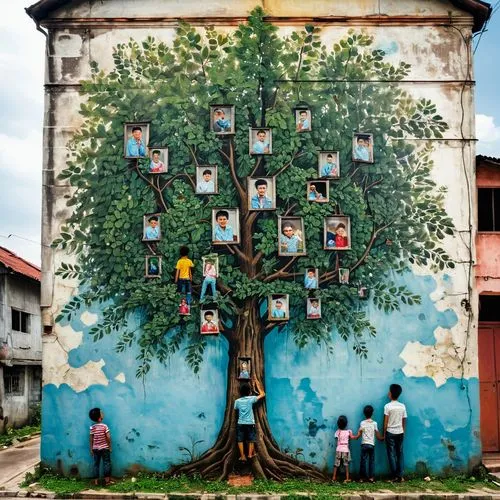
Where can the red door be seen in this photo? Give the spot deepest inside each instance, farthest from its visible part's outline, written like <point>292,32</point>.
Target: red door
<point>489,380</point>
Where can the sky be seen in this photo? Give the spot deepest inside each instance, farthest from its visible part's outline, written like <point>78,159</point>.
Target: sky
<point>22,50</point>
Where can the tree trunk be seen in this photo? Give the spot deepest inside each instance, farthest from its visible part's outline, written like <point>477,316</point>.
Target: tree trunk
<point>247,340</point>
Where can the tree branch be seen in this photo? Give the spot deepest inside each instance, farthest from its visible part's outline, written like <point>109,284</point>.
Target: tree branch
<point>367,188</point>
<point>232,168</point>
<point>257,165</point>
<point>375,233</point>
<point>294,157</point>
<point>278,273</point>
<point>157,189</point>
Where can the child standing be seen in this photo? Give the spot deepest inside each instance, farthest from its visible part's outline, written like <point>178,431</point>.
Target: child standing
<point>394,431</point>
<point>183,273</point>
<point>245,428</point>
<point>342,452</point>
<point>368,430</point>
<point>100,445</point>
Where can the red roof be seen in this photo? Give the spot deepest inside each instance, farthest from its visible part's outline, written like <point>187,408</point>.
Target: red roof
<point>12,261</point>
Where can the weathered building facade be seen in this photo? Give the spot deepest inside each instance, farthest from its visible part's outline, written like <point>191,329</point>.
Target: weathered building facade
<point>399,74</point>
<point>20,339</point>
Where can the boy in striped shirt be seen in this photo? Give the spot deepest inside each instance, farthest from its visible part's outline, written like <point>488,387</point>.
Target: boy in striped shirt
<point>100,445</point>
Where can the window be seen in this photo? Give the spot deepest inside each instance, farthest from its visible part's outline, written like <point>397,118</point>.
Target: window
<point>13,380</point>
<point>488,209</point>
<point>489,308</point>
<point>20,321</point>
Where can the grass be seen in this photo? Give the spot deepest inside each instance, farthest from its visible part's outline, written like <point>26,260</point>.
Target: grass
<point>152,483</point>
<point>11,434</point>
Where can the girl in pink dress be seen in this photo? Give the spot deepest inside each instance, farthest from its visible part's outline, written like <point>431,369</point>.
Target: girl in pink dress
<point>342,452</point>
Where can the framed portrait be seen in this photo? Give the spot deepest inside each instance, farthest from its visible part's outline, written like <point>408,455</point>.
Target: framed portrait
<point>302,120</point>
<point>318,191</point>
<point>244,368</point>
<point>363,292</point>
<point>311,278</point>
<point>261,193</point>
<point>329,164</point>
<point>135,139</point>
<point>225,226</point>
<point>206,179</point>
<point>278,307</point>
<point>344,276</point>
<point>260,141</point>
<point>362,148</point>
<point>152,266</point>
<point>291,236</point>
<point>222,119</point>
<point>337,233</point>
<point>313,308</point>
<point>158,160</point>
<point>210,266</point>
<point>184,307</point>
<point>151,227</point>
<point>209,321</point>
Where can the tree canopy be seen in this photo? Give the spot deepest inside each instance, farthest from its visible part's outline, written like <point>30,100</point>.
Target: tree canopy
<point>396,210</point>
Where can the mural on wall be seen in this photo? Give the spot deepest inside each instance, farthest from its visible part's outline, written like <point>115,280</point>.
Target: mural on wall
<point>235,101</point>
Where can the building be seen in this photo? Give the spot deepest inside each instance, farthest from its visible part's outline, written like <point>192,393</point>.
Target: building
<point>20,339</point>
<point>385,89</point>
<point>488,288</point>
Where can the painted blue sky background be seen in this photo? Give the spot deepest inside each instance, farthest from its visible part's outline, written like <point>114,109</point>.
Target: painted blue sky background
<point>21,113</point>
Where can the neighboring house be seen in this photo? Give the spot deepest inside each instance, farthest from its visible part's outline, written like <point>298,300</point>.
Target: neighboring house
<point>488,289</point>
<point>20,339</point>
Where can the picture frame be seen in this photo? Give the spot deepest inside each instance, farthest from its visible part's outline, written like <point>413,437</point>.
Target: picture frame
<point>260,141</point>
<point>151,227</point>
<point>291,236</point>
<point>158,160</point>
<point>303,120</point>
<point>278,307</point>
<point>222,118</point>
<point>318,191</point>
<point>344,276</point>
<point>261,193</point>
<point>152,266</point>
<point>362,147</point>
<point>313,308</point>
<point>209,321</point>
<point>363,292</point>
<point>337,233</point>
<point>311,278</point>
<point>225,232</point>
<point>135,140</point>
<point>244,368</point>
<point>184,307</point>
<point>329,164</point>
<point>206,179</point>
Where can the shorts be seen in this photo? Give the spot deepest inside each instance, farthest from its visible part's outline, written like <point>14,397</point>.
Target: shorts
<point>245,432</point>
<point>342,458</point>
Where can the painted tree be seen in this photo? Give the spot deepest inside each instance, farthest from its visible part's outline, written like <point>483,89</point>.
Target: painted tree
<point>396,210</point>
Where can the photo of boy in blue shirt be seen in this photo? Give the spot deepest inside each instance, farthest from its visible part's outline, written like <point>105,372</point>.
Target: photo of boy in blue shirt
<point>260,142</point>
<point>223,231</point>
<point>221,119</point>
<point>362,150</point>
<point>261,201</point>
<point>152,231</point>
<point>135,145</point>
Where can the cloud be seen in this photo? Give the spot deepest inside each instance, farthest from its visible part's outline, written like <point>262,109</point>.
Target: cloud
<point>488,135</point>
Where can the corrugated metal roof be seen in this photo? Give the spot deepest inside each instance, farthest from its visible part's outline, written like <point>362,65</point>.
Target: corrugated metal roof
<point>18,265</point>
<point>487,159</point>
<point>479,9</point>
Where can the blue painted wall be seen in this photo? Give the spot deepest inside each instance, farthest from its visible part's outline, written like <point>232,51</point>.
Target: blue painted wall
<point>306,391</point>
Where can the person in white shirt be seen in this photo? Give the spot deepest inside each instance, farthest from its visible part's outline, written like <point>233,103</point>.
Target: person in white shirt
<point>394,431</point>
<point>368,429</point>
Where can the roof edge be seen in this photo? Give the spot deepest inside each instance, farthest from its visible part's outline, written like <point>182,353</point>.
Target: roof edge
<point>478,8</point>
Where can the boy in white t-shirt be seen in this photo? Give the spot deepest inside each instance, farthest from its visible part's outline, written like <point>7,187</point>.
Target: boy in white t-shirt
<point>368,429</point>
<point>394,431</point>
